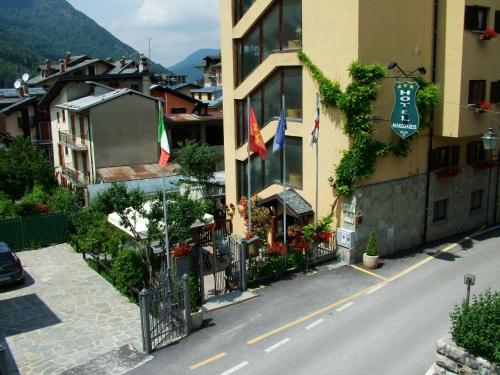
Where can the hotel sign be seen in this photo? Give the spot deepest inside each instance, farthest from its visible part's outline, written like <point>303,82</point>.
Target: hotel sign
<point>405,119</point>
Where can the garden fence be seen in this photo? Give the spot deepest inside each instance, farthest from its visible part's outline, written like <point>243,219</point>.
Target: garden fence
<point>34,231</point>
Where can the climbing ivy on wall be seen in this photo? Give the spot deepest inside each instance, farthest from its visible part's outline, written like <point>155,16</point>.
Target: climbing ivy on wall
<point>356,103</point>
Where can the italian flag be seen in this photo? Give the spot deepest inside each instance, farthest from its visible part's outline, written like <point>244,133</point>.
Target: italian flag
<point>162,138</point>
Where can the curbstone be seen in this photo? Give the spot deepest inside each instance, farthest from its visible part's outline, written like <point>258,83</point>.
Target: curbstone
<point>447,363</point>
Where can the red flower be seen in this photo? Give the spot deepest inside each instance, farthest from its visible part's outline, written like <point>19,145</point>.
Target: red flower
<point>485,104</point>
<point>180,250</point>
<point>277,248</point>
<point>249,236</point>
<point>489,33</point>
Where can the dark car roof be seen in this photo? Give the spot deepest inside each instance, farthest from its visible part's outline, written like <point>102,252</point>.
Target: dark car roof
<point>4,248</point>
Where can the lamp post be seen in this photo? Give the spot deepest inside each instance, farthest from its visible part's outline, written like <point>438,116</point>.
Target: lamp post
<point>489,142</point>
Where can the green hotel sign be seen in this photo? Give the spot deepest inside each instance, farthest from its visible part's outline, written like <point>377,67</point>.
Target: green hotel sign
<point>405,119</point>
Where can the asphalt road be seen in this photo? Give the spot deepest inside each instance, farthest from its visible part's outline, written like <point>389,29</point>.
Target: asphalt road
<point>340,321</point>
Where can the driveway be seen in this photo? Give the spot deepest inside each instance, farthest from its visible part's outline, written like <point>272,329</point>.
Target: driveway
<point>65,315</point>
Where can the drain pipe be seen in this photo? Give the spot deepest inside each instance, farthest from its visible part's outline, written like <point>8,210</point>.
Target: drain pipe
<point>431,130</point>
<point>495,206</point>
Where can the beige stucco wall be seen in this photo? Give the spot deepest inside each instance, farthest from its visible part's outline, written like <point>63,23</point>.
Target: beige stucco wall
<point>124,131</point>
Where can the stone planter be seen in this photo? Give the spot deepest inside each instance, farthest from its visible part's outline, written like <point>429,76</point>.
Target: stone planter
<point>370,261</point>
<point>197,319</point>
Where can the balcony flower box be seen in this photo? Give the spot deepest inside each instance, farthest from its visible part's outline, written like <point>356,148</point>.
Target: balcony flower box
<point>485,165</point>
<point>481,107</point>
<point>448,172</point>
<point>488,34</point>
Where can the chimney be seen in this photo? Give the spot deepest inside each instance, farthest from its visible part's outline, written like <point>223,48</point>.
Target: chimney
<point>67,57</point>
<point>143,64</point>
<point>48,64</point>
<point>109,60</point>
<point>122,61</point>
<point>62,65</point>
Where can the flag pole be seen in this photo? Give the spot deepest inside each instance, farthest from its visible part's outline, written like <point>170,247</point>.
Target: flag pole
<point>284,175</point>
<point>167,245</point>
<point>248,170</point>
<point>317,166</point>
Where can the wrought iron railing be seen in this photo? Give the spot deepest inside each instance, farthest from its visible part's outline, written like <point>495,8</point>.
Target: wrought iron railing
<point>72,140</point>
<point>75,176</point>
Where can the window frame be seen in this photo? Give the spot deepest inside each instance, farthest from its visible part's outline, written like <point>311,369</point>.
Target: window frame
<point>471,98</point>
<point>470,18</point>
<point>495,92</point>
<point>444,157</point>
<point>476,200</point>
<point>440,213</point>
<point>475,152</point>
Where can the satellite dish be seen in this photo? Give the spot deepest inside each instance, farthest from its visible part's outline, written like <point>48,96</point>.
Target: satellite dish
<point>17,84</point>
<point>25,77</point>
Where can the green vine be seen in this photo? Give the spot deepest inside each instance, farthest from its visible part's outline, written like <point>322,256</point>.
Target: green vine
<point>356,103</point>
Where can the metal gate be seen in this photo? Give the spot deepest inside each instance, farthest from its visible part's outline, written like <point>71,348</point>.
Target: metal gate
<point>165,312</point>
<point>225,271</point>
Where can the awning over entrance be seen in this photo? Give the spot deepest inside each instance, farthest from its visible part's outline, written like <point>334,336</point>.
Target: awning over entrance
<point>296,206</point>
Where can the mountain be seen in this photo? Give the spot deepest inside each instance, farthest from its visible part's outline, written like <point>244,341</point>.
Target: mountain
<point>34,30</point>
<point>187,66</point>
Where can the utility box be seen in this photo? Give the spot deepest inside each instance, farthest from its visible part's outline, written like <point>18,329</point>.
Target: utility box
<point>346,237</point>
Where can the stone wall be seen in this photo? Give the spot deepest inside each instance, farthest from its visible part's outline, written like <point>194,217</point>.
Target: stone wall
<point>395,210</point>
<point>451,359</point>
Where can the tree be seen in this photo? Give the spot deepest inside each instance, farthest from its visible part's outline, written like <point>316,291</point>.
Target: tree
<point>7,207</point>
<point>21,167</point>
<point>117,199</point>
<point>63,200</point>
<point>197,164</point>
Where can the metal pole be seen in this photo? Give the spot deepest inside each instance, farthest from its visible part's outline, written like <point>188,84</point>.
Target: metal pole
<point>243,265</point>
<point>489,188</point>
<point>468,293</point>
<point>144,297</point>
<point>317,166</point>
<point>187,304</point>
<point>248,169</point>
<point>284,179</point>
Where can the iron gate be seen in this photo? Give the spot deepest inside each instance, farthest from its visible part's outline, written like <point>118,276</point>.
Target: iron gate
<point>165,312</point>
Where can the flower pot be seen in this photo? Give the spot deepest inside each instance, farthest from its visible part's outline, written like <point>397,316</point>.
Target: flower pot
<point>197,319</point>
<point>370,261</point>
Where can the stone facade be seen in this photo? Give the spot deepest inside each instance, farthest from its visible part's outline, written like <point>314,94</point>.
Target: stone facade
<point>395,210</point>
<point>451,359</point>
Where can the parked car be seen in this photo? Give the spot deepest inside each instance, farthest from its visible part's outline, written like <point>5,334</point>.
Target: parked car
<point>11,269</point>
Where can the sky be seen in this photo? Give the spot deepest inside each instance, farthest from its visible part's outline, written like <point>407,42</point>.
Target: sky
<point>177,27</point>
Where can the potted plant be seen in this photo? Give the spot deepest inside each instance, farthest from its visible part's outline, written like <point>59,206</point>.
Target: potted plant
<point>371,257</point>
<point>195,300</point>
<point>488,34</point>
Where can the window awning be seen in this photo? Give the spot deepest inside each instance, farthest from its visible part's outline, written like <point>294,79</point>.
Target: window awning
<point>295,205</point>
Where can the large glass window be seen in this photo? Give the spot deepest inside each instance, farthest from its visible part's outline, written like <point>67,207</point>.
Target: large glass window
<point>279,29</point>
<point>265,173</point>
<point>266,100</point>
<point>240,8</point>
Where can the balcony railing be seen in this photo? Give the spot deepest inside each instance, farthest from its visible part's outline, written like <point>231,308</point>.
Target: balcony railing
<point>76,177</point>
<point>72,141</point>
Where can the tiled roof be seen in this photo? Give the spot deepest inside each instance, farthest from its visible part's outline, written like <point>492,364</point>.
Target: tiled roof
<point>13,93</point>
<point>39,78</point>
<point>213,103</point>
<point>135,172</point>
<point>92,101</point>
<point>297,205</point>
<point>18,104</point>
<point>208,89</point>
<point>191,117</point>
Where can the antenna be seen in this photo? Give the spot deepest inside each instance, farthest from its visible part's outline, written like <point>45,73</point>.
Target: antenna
<point>17,84</point>
<point>25,77</point>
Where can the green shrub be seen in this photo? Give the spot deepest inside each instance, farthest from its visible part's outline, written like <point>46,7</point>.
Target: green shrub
<point>371,246</point>
<point>476,327</point>
<point>194,293</point>
<point>128,271</point>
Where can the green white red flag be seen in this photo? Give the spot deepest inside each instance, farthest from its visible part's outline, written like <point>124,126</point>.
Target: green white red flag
<point>162,138</point>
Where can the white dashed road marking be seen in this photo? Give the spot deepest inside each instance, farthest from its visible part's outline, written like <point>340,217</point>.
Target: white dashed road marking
<point>277,345</point>
<point>346,306</point>
<point>235,368</point>
<point>314,324</point>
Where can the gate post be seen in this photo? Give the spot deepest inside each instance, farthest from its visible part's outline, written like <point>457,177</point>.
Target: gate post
<point>201,276</point>
<point>243,246</point>
<point>144,300</point>
<point>187,304</point>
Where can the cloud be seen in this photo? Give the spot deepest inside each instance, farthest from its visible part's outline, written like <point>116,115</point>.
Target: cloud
<point>177,27</point>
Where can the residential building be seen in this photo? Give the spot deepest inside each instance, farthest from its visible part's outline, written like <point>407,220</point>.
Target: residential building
<point>108,128</point>
<point>21,116</point>
<point>406,201</point>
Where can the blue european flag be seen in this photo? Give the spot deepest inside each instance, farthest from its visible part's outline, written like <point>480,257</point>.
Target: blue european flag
<point>279,137</point>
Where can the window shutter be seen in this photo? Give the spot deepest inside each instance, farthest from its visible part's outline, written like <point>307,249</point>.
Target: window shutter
<point>470,17</point>
<point>495,92</point>
<point>454,155</point>
<point>497,21</point>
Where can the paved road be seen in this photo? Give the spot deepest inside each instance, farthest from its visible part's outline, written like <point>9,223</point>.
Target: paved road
<point>342,321</point>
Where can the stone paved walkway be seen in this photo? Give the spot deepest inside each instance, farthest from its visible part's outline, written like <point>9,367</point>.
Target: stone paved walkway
<point>65,315</point>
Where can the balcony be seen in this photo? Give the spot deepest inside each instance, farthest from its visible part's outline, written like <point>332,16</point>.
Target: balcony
<point>76,177</point>
<point>72,141</point>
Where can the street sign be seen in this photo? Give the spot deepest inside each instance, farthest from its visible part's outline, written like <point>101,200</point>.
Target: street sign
<point>405,119</point>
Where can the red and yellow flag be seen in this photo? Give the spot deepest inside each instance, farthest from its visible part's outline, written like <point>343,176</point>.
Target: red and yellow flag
<point>256,142</point>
